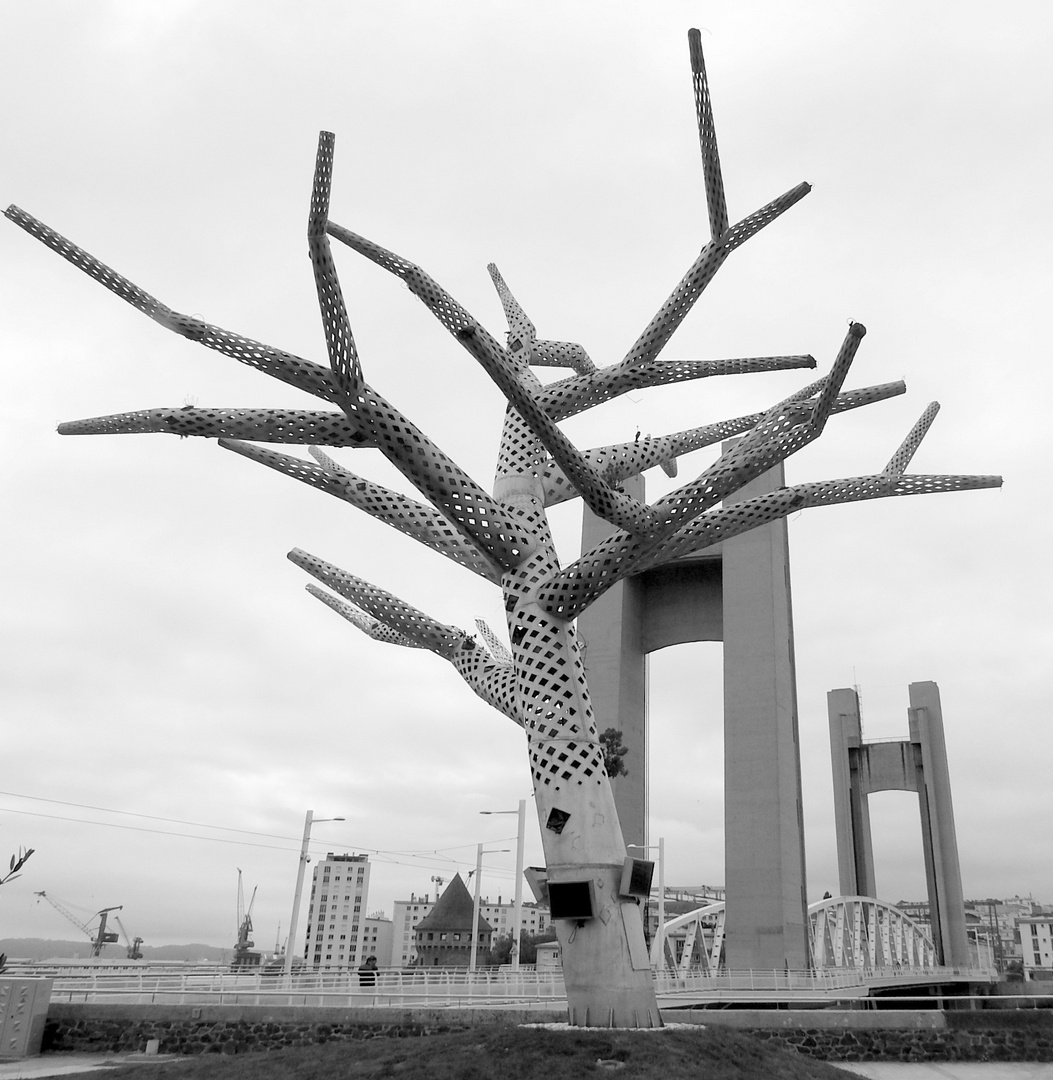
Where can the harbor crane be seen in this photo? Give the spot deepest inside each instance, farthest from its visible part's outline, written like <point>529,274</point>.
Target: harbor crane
<point>245,955</point>
<point>131,944</point>
<point>100,937</point>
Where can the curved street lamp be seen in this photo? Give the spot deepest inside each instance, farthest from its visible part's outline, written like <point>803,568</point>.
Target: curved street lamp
<point>475,905</point>
<point>308,822</point>
<point>517,907</point>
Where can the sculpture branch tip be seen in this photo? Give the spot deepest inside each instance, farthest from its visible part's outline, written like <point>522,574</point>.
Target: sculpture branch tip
<point>323,180</point>
<point>902,457</point>
<point>694,40</point>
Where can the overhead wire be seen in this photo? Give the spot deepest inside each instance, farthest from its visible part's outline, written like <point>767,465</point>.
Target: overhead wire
<point>391,857</point>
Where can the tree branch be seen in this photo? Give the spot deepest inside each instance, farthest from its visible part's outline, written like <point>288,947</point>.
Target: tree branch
<point>264,425</point>
<point>289,368</point>
<point>407,621</point>
<point>340,343</point>
<point>416,520</point>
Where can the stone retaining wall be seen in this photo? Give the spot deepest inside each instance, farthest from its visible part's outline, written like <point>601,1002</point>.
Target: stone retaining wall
<point>830,1035</point>
<point>245,1029</point>
<point>963,1037</point>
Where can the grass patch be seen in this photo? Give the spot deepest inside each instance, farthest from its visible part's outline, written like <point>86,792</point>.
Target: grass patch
<point>507,1052</point>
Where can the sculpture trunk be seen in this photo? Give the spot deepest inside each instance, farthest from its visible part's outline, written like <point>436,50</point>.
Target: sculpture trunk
<point>606,967</point>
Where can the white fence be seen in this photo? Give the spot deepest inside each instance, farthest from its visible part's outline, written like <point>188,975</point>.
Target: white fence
<point>451,987</point>
<point>438,988</point>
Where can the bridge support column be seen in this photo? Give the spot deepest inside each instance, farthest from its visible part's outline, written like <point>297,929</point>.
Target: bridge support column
<point>738,593</point>
<point>919,764</point>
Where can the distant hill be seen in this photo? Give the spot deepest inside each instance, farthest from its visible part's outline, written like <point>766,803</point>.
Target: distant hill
<point>43,949</point>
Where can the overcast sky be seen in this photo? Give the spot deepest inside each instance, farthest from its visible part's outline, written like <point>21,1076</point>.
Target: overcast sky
<point>173,701</point>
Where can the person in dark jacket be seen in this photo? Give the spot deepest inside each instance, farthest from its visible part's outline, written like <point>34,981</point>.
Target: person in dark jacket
<point>367,973</point>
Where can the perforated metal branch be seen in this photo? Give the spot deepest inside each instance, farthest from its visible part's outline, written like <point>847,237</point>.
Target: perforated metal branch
<point>522,336</point>
<point>369,625</point>
<point>622,460</point>
<point>570,592</point>
<point>579,393</point>
<point>340,342</point>
<point>496,683</point>
<point>707,138</point>
<point>604,500</point>
<point>480,517</point>
<point>448,487</point>
<point>903,456</point>
<point>493,643</point>
<point>303,426</point>
<point>783,431</point>
<point>492,681</point>
<point>289,368</point>
<point>691,286</point>
<point>563,354</point>
<point>835,380</point>
<point>414,519</point>
<point>383,606</point>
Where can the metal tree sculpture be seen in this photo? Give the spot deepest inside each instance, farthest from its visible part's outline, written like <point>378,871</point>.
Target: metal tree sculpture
<point>540,682</point>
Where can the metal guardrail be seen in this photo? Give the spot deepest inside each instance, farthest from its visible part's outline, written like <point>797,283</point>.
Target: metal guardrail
<point>436,988</point>
<point>452,987</point>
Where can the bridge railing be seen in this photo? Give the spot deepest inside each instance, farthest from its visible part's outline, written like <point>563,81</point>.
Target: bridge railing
<point>441,987</point>
<point>446,987</point>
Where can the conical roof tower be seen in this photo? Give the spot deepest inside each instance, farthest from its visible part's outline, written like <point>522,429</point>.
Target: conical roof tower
<point>444,935</point>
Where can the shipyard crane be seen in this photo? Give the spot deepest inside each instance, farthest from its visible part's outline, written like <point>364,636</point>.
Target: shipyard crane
<point>100,937</point>
<point>132,944</point>
<point>244,954</point>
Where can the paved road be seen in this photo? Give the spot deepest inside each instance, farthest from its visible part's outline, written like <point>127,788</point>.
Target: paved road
<point>950,1070</point>
<point>36,1068</point>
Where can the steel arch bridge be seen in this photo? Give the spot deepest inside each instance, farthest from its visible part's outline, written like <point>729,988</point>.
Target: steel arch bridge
<point>856,933</point>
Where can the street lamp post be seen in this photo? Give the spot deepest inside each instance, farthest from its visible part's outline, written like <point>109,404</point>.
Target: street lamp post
<point>661,894</point>
<point>475,905</point>
<point>291,944</point>
<point>517,907</point>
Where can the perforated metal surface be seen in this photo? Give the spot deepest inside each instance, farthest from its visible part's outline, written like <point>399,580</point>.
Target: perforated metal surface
<point>538,680</point>
<point>415,519</point>
<point>303,426</point>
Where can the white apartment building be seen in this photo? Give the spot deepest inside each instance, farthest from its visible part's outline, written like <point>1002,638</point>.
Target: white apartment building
<point>1036,944</point>
<point>533,920</point>
<point>377,938</point>
<point>335,912</point>
<point>404,921</point>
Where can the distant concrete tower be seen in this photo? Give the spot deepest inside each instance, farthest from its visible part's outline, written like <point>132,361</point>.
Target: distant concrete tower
<point>737,592</point>
<point>918,763</point>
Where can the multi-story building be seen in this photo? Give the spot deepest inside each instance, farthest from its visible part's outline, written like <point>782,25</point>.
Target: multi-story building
<point>533,920</point>
<point>408,913</point>
<point>377,938</point>
<point>1036,945</point>
<point>335,913</point>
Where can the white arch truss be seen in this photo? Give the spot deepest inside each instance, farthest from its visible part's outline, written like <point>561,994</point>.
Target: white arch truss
<point>846,932</point>
<point>863,933</point>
